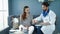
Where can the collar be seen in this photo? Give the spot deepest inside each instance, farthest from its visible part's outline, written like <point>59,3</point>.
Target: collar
<point>45,13</point>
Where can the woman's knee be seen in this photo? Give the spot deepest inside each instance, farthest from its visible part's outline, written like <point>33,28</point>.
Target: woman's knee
<point>21,26</point>
<point>31,28</point>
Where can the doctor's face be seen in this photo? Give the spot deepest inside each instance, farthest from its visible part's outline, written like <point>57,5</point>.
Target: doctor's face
<point>44,7</point>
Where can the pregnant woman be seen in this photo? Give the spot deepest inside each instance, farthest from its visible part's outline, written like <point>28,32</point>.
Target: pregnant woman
<point>26,21</point>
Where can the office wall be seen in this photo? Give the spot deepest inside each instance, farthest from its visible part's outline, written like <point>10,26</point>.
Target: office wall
<point>55,7</point>
<point>16,8</point>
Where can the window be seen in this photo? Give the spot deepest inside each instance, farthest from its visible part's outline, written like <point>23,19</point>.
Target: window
<point>3,14</point>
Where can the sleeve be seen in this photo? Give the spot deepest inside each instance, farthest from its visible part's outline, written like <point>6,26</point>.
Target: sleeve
<point>52,18</point>
<point>38,18</point>
<point>31,19</point>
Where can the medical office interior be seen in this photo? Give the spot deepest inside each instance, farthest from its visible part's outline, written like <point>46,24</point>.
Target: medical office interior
<point>9,8</point>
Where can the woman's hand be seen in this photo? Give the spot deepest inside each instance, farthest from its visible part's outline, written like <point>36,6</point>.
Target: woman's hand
<point>26,26</point>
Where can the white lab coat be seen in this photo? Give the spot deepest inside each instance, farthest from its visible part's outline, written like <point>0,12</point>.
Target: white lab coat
<point>50,18</point>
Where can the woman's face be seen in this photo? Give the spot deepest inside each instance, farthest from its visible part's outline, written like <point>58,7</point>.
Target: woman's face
<point>27,10</point>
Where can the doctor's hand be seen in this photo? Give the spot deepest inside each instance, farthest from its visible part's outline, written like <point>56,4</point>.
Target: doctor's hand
<point>34,21</point>
<point>44,24</point>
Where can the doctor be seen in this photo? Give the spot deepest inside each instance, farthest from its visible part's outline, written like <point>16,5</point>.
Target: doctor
<point>48,18</point>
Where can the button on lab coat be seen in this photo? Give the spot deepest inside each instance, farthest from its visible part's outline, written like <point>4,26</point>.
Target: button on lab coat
<point>50,18</point>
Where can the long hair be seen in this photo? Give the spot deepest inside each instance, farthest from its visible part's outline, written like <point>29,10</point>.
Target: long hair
<point>24,13</point>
